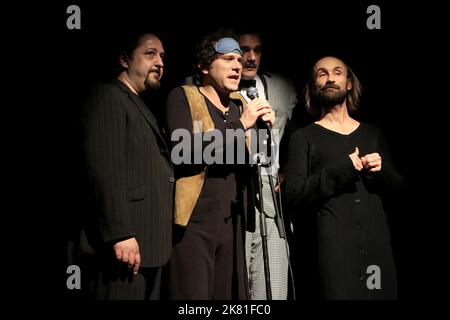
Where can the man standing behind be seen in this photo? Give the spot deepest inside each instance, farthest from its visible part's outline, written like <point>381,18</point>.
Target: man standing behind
<point>282,96</point>
<point>131,177</point>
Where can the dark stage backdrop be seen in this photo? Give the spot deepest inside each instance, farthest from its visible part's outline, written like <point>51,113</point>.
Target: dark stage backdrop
<point>387,62</point>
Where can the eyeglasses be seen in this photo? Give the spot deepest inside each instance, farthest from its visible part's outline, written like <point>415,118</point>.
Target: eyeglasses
<point>227,45</point>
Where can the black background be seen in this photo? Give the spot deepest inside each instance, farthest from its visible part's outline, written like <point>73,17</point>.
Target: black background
<point>392,64</point>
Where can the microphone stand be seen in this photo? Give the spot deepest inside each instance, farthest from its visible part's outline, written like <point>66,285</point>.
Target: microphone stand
<point>279,221</point>
<point>252,93</point>
<point>263,227</point>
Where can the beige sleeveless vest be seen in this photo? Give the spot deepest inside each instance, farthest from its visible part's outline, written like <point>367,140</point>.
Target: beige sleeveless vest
<point>188,189</point>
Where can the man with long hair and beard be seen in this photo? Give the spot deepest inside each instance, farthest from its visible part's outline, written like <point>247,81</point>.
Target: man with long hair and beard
<point>340,173</point>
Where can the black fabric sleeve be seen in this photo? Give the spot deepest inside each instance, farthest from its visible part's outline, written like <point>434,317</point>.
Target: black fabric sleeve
<point>104,124</point>
<point>303,188</point>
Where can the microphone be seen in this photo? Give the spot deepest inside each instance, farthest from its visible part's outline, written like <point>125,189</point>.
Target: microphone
<point>252,93</point>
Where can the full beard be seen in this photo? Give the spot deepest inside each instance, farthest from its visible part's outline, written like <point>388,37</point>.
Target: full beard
<point>328,100</point>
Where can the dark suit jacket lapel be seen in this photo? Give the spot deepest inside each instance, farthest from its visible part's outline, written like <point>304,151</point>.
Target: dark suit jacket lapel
<point>148,115</point>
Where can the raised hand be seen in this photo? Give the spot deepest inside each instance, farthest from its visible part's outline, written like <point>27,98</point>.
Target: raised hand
<point>256,108</point>
<point>357,163</point>
<point>372,162</point>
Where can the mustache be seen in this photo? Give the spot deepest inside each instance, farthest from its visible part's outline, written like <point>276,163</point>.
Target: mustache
<point>250,65</point>
<point>328,86</point>
<point>156,70</point>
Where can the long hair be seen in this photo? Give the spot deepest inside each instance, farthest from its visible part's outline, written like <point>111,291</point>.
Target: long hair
<point>353,95</point>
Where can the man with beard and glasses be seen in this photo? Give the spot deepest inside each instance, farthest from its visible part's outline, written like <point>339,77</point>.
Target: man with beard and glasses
<point>339,177</point>
<point>281,94</point>
<point>130,178</point>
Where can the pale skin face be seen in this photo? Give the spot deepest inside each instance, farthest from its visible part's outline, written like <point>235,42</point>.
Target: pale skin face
<point>224,73</point>
<point>330,79</point>
<point>332,73</point>
<point>144,67</point>
<point>251,47</point>
<point>222,78</point>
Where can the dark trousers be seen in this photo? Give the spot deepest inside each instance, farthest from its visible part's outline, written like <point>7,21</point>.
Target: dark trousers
<point>208,259</point>
<point>115,281</point>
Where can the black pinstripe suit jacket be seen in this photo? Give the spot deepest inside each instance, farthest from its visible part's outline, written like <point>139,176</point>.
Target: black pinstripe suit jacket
<point>130,172</point>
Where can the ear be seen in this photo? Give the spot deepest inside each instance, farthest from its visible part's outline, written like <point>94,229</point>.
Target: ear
<point>203,70</point>
<point>349,85</point>
<point>123,60</point>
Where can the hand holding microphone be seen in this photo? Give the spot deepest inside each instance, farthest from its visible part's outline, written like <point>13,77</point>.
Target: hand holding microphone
<point>256,109</point>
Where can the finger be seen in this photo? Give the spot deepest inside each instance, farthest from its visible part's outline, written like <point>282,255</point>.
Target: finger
<point>262,101</point>
<point>125,257</point>
<point>118,251</point>
<point>137,263</point>
<point>364,161</point>
<point>263,112</point>
<point>356,151</point>
<point>373,157</point>
<point>272,118</point>
<point>359,164</point>
<point>266,108</point>
<point>258,104</point>
<point>374,154</point>
<point>375,163</point>
<point>272,121</point>
<point>131,260</point>
<point>267,117</point>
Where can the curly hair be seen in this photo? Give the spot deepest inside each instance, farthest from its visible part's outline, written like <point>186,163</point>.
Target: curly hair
<point>206,53</point>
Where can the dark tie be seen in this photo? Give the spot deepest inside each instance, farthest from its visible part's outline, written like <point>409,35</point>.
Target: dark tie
<point>245,84</point>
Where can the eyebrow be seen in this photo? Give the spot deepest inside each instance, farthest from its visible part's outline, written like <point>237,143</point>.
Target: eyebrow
<point>324,69</point>
<point>230,54</point>
<point>156,50</point>
<point>152,48</point>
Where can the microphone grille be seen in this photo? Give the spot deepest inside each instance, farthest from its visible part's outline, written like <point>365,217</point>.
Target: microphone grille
<point>252,93</point>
